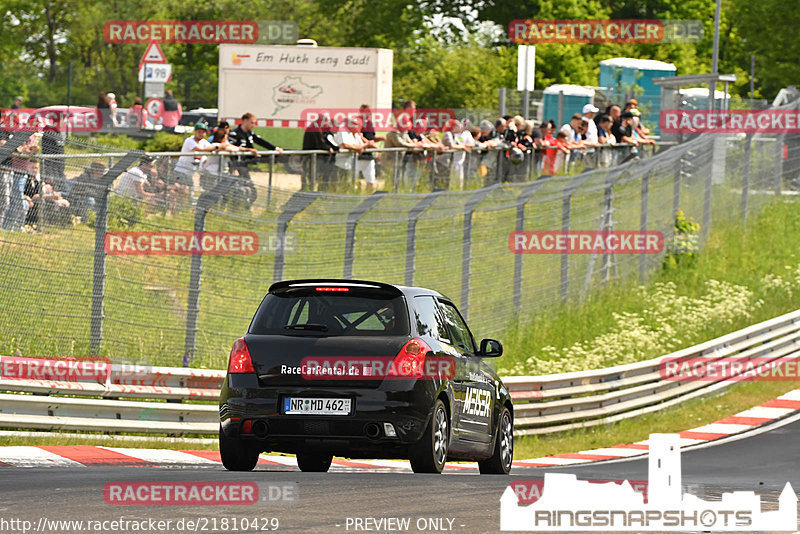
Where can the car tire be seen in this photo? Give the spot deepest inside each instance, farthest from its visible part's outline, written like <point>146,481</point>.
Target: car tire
<point>314,463</point>
<point>503,455</point>
<point>429,454</point>
<point>236,454</point>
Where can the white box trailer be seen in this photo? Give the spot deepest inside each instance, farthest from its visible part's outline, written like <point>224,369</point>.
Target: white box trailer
<point>276,83</point>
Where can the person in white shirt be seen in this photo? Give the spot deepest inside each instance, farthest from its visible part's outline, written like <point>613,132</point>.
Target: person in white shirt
<point>351,139</point>
<point>131,183</point>
<point>459,139</point>
<point>213,164</point>
<point>589,112</point>
<point>184,170</point>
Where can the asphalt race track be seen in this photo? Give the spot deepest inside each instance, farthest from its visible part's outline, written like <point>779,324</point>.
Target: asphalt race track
<point>762,462</point>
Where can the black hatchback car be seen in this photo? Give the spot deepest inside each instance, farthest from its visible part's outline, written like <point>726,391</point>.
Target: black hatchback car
<point>363,370</point>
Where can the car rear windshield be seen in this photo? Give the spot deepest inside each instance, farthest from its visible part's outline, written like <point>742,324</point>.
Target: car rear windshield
<point>331,314</point>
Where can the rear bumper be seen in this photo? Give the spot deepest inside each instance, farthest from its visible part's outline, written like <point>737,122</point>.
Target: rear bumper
<point>406,405</point>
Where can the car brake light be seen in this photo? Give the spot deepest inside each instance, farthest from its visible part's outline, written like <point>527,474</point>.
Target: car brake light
<point>240,361</point>
<point>410,361</point>
<point>332,288</point>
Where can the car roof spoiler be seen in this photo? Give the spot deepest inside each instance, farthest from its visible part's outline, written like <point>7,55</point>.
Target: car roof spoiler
<point>287,285</point>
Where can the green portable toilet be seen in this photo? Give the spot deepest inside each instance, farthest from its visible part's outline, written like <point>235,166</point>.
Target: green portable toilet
<point>575,97</point>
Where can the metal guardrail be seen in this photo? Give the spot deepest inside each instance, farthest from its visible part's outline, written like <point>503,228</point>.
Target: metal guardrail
<point>141,400</point>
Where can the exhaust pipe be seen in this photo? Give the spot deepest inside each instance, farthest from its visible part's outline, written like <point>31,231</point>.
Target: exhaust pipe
<point>260,428</point>
<point>372,430</point>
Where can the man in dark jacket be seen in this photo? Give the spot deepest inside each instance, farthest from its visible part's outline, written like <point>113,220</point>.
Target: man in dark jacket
<point>319,136</point>
<point>243,136</point>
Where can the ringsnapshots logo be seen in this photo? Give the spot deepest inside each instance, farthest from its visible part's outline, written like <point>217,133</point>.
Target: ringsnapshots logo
<point>200,31</point>
<point>535,31</point>
<point>730,121</point>
<point>51,119</point>
<point>585,242</point>
<point>376,120</point>
<point>166,493</point>
<point>567,504</point>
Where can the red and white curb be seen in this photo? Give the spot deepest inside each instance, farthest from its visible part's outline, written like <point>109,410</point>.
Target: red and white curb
<point>770,411</point>
<point>92,456</point>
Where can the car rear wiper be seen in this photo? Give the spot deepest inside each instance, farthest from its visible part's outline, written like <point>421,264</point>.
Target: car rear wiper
<point>307,326</point>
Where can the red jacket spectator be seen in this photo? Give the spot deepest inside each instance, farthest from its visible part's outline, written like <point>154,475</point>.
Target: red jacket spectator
<point>172,112</point>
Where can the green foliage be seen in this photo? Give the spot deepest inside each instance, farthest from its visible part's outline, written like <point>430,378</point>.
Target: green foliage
<point>684,245</point>
<point>121,141</point>
<point>123,214</point>
<point>164,142</point>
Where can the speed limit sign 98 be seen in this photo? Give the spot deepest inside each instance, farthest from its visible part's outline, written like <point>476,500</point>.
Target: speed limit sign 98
<point>154,107</point>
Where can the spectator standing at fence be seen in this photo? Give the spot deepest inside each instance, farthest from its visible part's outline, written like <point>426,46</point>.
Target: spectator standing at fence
<point>20,168</point>
<point>242,191</point>
<point>623,132</point>
<point>184,170</point>
<point>172,112</point>
<point>112,106</point>
<point>17,103</point>
<point>85,191</point>
<point>137,114</point>
<point>244,136</point>
<point>461,141</point>
<point>605,137</point>
<point>349,137</point>
<point>400,137</point>
<point>104,111</point>
<point>319,136</point>
<point>54,168</point>
<point>589,113</point>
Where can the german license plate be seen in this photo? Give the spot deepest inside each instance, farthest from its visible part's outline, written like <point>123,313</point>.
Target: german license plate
<point>315,406</point>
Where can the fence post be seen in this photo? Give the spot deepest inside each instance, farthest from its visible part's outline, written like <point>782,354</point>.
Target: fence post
<point>566,209</point>
<point>643,224</point>
<point>271,171</point>
<point>411,234</point>
<point>395,181</point>
<point>560,108</point>
<point>522,199</point>
<point>716,176</point>
<point>100,229</point>
<point>204,203</point>
<point>466,246</point>
<point>608,225</point>
<point>748,141</point>
<point>676,188</point>
<point>296,203</point>
<point>313,184</point>
<point>781,139</point>
<point>502,101</point>
<point>350,232</point>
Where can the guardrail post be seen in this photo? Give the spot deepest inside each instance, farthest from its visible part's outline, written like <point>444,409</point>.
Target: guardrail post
<point>411,234</point>
<point>204,203</point>
<point>643,225</point>
<point>296,203</point>
<point>522,199</point>
<point>350,232</point>
<point>748,140</point>
<point>466,246</point>
<point>99,270</point>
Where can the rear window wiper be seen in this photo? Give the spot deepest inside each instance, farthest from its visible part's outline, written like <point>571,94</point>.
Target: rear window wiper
<point>307,326</point>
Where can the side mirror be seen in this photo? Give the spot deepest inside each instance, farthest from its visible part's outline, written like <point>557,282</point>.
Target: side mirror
<point>490,348</point>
